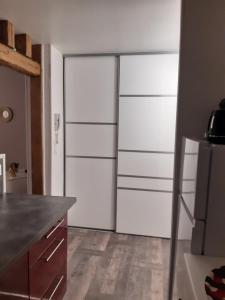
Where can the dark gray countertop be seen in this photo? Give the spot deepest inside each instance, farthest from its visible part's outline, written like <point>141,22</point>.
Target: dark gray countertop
<point>24,219</point>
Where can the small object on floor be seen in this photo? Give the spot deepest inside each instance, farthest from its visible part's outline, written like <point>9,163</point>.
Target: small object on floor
<point>215,284</point>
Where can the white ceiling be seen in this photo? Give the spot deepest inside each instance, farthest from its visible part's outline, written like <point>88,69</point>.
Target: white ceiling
<point>80,26</point>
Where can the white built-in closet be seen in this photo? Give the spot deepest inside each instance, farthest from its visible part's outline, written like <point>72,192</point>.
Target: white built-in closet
<point>120,114</point>
<point>90,133</point>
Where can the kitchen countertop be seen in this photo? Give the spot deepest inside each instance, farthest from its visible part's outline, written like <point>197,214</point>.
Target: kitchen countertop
<point>199,266</point>
<point>24,219</point>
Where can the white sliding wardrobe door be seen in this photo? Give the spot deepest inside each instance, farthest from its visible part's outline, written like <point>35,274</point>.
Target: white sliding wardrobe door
<point>90,89</point>
<point>143,212</point>
<point>90,108</point>
<point>91,181</point>
<point>98,140</point>
<point>147,117</point>
<point>149,74</point>
<point>154,165</point>
<point>142,123</point>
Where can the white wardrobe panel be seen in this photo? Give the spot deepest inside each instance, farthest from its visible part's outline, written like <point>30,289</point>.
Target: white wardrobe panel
<point>149,74</point>
<point>146,164</point>
<point>145,183</point>
<point>90,140</point>
<point>184,227</point>
<point>190,202</point>
<point>191,146</point>
<point>92,181</point>
<point>188,186</point>
<point>147,123</point>
<point>144,213</point>
<point>90,88</point>
<point>190,166</point>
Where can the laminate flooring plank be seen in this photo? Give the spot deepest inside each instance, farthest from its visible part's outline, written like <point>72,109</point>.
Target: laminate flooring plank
<point>157,251</point>
<point>157,285</point>
<point>109,266</point>
<point>81,277</point>
<point>113,270</point>
<point>96,240</point>
<point>73,243</point>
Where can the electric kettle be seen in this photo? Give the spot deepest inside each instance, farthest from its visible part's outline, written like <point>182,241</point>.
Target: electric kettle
<point>216,127</point>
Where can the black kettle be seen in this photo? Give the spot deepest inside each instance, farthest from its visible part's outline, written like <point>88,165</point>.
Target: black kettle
<point>216,127</point>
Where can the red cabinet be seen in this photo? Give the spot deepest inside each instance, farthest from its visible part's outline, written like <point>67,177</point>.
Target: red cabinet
<point>14,283</point>
<point>42,272</point>
<point>48,266</point>
<point>41,246</point>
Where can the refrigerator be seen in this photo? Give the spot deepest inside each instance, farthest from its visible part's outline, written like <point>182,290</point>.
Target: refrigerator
<point>200,241</point>
<point>202,197</point>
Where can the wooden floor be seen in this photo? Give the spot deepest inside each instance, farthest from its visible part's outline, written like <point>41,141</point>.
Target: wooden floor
<point>110,266</point>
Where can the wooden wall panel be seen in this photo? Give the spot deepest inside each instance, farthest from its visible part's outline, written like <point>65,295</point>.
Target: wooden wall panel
<point>36,126</point>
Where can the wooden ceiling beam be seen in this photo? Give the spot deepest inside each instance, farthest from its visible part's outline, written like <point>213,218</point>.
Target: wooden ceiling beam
<point>13,59</point>
<point>23,44</point>
<point>7,33</point>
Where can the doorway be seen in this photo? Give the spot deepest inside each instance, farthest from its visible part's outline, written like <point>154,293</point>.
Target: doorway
<point>15,134</point>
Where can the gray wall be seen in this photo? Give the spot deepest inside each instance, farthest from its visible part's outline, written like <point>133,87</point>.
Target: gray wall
<point>13,134</point>
<point>202,72</point>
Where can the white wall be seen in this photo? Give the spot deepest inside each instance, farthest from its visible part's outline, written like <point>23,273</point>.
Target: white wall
<point>52,79</point>
<point>13,134</point>
<point>75,26</point>
<point>134,25</point>
<point>57,140</point>
<point>46,120</point>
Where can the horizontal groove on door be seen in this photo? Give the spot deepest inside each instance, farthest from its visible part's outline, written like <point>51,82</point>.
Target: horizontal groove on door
<point>144,190</point>
<point>147,177</point>
<point>145,151</point>
<point>146,164</point>
<point>145,183</point>
<point>94,157</point>
<point>152,177</point>
<point>188,193</point>
<point>191,153</point>
<point>91,123</point>
<point>120,53</point>
<point>149,96</point>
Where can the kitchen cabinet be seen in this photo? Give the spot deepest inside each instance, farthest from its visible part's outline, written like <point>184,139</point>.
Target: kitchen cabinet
<point>41,273</point>
<point>14,281</point>
<point>47,262</point>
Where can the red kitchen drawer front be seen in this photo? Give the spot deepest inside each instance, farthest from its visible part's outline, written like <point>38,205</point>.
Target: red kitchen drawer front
<point>40,247</point>
<point>57,289</point>
<point>14,281</point>
<point>48,265</point>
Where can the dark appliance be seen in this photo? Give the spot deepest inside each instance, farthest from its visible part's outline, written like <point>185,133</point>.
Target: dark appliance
<point>216,127</point>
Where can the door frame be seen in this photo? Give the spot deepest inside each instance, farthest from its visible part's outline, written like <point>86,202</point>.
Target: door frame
<point>36,117</point>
